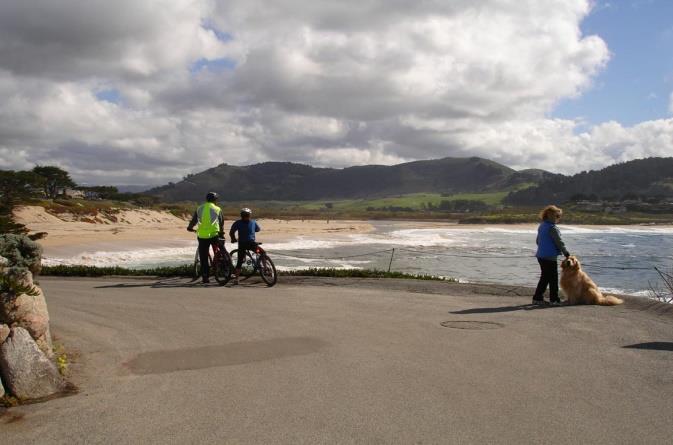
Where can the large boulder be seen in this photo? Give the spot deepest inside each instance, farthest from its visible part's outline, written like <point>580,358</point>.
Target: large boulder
<point>23,305</point>
<point>26,370</point>
<point>4,333</point>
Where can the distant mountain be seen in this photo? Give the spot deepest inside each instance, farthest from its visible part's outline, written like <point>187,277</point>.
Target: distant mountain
<point>290,181</point>
<point>641,178</point>
<point>133,188</point>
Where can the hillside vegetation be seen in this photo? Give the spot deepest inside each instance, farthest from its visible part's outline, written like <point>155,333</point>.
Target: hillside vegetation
<point>641,179</point>
<point>285,181</point>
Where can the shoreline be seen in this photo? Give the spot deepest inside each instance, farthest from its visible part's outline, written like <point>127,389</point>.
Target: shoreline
<point>69,235</point>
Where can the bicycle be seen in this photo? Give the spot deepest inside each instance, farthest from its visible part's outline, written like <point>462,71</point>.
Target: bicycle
<point>256,260</point>
<point>220,263</point>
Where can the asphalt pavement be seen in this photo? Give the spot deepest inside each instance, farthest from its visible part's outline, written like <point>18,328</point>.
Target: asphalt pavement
<point>349,361</point>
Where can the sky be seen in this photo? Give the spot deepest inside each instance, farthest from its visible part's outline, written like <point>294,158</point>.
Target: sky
<point>145,92</point>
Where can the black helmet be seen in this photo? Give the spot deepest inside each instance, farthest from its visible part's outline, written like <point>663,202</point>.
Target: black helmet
<point>212,197</point>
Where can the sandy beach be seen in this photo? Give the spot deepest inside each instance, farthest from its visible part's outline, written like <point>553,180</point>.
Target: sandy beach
<point>68,235</point>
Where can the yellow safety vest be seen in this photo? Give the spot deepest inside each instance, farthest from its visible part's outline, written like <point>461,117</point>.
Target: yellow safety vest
<point>209,223</point>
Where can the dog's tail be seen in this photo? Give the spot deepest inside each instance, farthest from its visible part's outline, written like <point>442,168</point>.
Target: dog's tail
<point>609,300</point>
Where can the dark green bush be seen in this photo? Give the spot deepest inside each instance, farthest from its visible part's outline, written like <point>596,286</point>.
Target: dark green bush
<point>187,270</point>
<point>21,252</point>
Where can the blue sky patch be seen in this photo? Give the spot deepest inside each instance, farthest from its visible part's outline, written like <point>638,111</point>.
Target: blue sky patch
<point>111,95</point>
<point>221,35</point>
<point>213,65</point>
<point>637,82</point>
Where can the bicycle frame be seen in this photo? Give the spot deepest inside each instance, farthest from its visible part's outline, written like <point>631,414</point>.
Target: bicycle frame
<point>255,254</point>
<point>216,249</point>
<point>219,256</point>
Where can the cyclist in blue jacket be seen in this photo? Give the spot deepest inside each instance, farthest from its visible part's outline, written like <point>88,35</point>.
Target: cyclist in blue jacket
<point>246,229</point>
<point>549,246</point>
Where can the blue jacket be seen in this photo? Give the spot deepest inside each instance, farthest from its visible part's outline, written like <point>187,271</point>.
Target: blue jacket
<point>246,229</point>
<point>549,243</point>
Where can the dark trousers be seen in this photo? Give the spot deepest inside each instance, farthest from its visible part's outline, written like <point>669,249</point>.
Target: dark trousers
<point>548,277</point>
<point>242,247</point>
<point>204,252</point>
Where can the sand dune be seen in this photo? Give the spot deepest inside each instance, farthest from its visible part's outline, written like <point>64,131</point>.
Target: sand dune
<point>124,229</point>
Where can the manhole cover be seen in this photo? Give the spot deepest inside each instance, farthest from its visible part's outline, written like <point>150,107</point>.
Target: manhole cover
<point>473,325</point>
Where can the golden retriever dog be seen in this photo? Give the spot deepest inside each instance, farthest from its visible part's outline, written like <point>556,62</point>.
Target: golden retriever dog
<point>579,288</point>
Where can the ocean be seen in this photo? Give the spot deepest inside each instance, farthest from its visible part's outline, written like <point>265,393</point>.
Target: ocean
<point>619,259</point>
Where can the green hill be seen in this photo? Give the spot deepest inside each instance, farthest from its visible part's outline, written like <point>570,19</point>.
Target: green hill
<point>633,180</point>
<point>285,181</point>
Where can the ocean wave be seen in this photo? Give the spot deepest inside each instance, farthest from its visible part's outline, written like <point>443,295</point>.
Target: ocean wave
<point>638,230</point>
<point>618,291</point>
<point>304,243</point>
<point>127,258</point>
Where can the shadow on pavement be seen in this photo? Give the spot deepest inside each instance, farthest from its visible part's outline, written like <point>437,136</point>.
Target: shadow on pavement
<point>496,310</point>
<point>181,282</point>
<point>160,362</point>
<point>653,346</point>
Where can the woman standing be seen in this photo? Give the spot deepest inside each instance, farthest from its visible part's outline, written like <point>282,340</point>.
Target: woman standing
<point>549,246</point>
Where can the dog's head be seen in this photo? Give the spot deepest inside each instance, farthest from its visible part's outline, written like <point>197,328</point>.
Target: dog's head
<point>570,263</point>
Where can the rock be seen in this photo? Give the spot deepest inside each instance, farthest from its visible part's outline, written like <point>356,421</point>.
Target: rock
<point>27,311</point>
<point>26,370</point>
<point>4,333</point>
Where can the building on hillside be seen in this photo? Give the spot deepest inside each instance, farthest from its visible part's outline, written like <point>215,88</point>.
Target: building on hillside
<point>71,193</point>
<point>91,195</point>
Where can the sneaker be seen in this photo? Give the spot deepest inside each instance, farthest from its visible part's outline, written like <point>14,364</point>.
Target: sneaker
<point>555,303</point>
<point>537,302</point>
<point>205,280</point>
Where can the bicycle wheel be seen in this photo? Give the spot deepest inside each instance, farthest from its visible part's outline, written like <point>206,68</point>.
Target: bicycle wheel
<point>267,270</point>
<point>248,265</point>
<point>222,269</point>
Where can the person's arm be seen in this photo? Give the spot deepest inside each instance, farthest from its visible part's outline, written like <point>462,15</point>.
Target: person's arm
<point>556,236</point>
<point>232,232</point>
<point>220,219</point>
<point>193,222</point>
<point>257,227</point>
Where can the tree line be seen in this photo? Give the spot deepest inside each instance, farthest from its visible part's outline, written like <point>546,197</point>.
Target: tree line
<point>17,186</point>
<point>639,179</point>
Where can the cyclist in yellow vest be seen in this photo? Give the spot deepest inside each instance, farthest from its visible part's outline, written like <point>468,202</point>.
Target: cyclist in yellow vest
<point>208,217</point>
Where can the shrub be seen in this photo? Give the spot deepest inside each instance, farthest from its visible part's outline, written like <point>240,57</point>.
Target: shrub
<point>21,252</point>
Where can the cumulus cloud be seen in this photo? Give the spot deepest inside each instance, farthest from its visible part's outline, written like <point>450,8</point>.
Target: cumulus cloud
<point>145,92</point>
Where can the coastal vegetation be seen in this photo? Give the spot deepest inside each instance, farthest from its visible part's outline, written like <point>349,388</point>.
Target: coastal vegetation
<point>187,270</point>
<point>663,290</point>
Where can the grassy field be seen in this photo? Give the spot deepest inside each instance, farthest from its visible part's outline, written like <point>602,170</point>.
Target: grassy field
<point>416,201</point>
<point>422,206</point>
